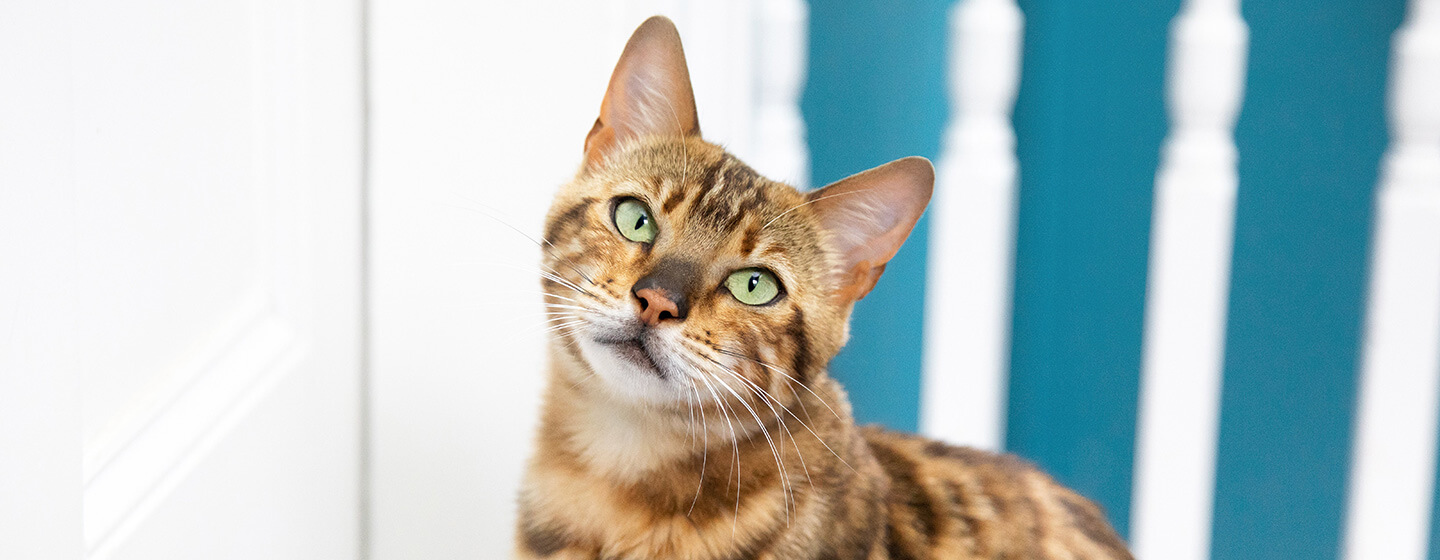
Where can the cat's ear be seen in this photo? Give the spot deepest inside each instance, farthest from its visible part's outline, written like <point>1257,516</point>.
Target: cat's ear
<point>649,92</point>
<point>867,217</point>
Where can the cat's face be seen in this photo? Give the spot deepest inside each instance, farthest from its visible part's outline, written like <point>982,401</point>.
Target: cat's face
<point>679,276</point>
<point>702,283</point>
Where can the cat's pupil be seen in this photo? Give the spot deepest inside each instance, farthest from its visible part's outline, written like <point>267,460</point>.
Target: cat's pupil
<point>754,281</point>
<point>640,222</point>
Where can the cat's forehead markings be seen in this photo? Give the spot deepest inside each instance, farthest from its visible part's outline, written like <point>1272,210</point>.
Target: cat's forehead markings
<point>752,236</point>
<point>567,220</point>
<point>677,195</point>
<point>738,192</point>
<point>739,175</point>
<point>710,182</point>
<point>654,185</point>
<point>773,250</point>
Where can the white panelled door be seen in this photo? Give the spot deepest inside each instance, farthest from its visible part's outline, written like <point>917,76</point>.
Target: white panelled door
<point>180,279</point>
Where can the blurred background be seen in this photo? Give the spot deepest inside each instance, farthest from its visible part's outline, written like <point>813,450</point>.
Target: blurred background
<point>267,287</point>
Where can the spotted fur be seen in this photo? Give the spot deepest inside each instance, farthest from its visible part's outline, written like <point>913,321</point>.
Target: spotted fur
<point>716,433</point>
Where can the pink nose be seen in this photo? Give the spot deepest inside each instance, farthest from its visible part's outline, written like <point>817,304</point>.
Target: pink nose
<point>656,306</point>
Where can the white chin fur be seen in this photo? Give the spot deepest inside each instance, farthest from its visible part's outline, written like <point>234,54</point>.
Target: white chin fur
<point>629,380</point>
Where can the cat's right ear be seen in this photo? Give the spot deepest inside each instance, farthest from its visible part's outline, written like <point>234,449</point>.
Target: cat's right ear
<point>649,93</point>
<point>867,216</point>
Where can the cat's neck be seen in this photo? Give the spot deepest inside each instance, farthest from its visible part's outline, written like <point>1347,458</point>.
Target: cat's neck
<point>626,442</point>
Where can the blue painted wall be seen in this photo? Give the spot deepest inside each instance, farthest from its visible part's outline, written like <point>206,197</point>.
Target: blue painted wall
<point>1310,137</point>
<point>876,92</point>
<point>1089,119</point>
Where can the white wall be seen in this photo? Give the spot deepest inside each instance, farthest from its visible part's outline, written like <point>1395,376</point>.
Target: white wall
<point>180,277</point>
<point>479,112</point>
<point>39,421</point>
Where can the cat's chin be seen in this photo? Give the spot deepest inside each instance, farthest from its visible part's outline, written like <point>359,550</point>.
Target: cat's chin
<point>631,372</point>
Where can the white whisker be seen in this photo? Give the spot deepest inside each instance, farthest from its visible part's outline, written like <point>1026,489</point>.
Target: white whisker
<point>766,399</point>
<point>563,306</point>
<point>537,242</point>
<point>774,450</point>
<point>807,203</point>
<point>781,372</point>
<point>734,443</point>
<point>704,447</point>
<point>797,418</point>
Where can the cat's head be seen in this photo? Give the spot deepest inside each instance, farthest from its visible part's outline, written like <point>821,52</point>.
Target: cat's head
<point>677,274</point>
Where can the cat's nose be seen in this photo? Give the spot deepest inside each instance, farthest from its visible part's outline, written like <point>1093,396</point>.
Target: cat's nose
<point>661,294</point>
<point>656,305</point>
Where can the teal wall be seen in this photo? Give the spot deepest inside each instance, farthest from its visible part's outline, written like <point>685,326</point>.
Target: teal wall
<point>1310,137</point>
<point>1090,119</point>
<point>876,92</point>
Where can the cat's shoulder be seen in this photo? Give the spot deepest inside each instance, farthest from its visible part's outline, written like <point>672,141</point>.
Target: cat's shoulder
<point>887,443</point>
<point>979,500</point>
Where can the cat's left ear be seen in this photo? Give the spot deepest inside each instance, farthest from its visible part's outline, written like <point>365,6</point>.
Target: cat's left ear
<point>649,93</point>
<point>867,217</point>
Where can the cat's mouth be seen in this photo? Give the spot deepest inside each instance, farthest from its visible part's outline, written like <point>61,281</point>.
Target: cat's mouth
<point>633,350</point>
<point>634,362</point>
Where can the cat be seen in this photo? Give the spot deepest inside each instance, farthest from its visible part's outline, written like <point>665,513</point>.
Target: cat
<point>694,306</point>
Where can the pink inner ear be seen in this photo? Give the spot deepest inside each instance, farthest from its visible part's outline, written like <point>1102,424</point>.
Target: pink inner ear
<point>649,92</point>
<point>869,215</point>
<point>656,101</point>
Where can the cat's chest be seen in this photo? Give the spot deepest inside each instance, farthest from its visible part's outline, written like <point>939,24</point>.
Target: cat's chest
<point>676,512</point>
<point>588,518</point>
<point>622,446</point>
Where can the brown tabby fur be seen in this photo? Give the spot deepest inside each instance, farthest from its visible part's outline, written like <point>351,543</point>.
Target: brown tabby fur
<point>758,457</point>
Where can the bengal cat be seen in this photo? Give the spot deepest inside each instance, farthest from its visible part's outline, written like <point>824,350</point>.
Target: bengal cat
<point>694,307</point>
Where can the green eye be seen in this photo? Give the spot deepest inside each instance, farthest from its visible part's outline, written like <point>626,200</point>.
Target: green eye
<point>753,286</point>
<point>633,220</point>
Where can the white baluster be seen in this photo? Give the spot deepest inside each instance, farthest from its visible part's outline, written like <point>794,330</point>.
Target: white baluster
<point>967,323</point>
<point>1187,296</point>
<point>779,147</point>
<point>1394,463</point>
